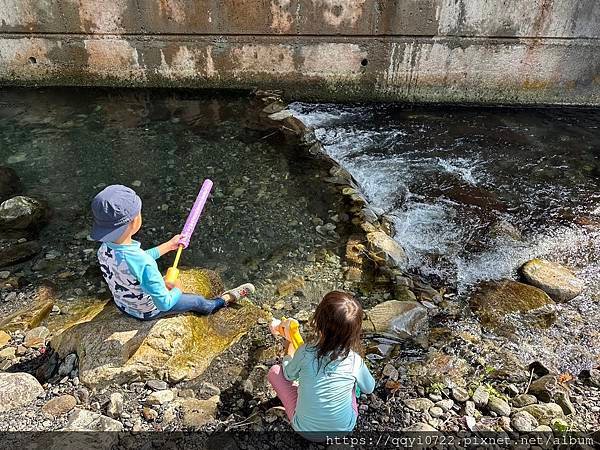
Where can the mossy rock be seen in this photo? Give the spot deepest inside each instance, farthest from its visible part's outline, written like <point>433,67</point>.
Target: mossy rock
<point>497,302</point>
<point>114,348</point>
<point>207,283</point>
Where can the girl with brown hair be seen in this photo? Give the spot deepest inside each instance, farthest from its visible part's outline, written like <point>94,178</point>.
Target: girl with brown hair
<point>328,369</point>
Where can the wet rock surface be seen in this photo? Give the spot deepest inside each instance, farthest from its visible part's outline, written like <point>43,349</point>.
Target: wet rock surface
<point>557,281</point>
<point>497,302</point>
<point>21,213</point>
<point>280,226</point>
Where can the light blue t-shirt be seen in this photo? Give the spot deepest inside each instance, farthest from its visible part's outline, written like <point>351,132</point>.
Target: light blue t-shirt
<point>325,393</point>
<point>134,280</point>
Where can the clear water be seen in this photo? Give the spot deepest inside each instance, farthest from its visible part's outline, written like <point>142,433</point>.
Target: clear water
<point>447,178</point>
<point>68,144</point>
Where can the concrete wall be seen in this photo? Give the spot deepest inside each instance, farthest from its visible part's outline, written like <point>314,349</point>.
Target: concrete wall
<point>480,51</point>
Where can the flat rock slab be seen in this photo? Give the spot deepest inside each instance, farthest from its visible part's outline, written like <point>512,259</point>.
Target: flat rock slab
<point>84,420</point>
<point>31,317</point>
<point>557,281</point>
<point>115,348</point>
<point>17,389</point>
<point>502,305</point>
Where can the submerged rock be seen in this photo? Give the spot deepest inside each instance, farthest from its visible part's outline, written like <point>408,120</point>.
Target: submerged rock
<point>115,348</point>
<point>402,318</point>
<point>17,389</point>
<point>451,371</point>
<point>10,184</point>
<point>557,281</point>
<point>495,302</point>
<point>21,213</point>
<point>18,252</point>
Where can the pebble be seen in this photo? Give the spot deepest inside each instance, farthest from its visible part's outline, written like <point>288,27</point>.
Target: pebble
<point>149,414</point>
<point>499,406</point>
<point>481,396</point>
<point>60,405</point>
<point>418,404</point>
<point>523,400</point>
<point>446,404</point>
<point>390,372</point>
<point>115,405</point>
<point>436,412</point>
<point>4,274</point>
<point>160,397</point>
<point>157,385</point>
<point>460,394</point>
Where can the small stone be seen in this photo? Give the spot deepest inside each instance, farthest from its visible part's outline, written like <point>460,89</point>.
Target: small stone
<point>459,394</point>
<point>170,414</point>
<point>543,429</point>
<point>524,422</point>
<point>157,385</point>
<point>523,400</point>
<point>84,420</point>
<point>34,337</point>
<point>160,397</point>
<point>280,304</point>
<point>390,371</point>
<point>149,414</point>
<point>445,404</point>
<point>115,405</point>
<point>595,377</point>
<point>4,274</point>
<point>208,390</point>
<point>68,365</point>
<point>420,427</point>
<point>83,395</point>
<point>60,405</point>
<point>470,408</point>
<point>248,386</point>
<point>7,353</point>
<point>21,350</point>
<point>499,406</point>
<point>136,183</point>
<point>436,412</point>
<point>197,413</point>
<point>481,396</point>
<point>418,404</point>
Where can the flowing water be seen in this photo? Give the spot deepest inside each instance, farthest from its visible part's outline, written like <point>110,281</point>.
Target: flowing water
<point>474,193</point>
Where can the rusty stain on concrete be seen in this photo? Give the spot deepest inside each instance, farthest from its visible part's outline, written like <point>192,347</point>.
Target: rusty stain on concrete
<point>544,51</point>
<point>173,10</point>
<point>282,20</point>
<point>337,12</point>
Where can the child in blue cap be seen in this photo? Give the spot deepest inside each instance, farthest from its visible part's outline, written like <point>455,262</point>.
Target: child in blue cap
<point>131,273</point>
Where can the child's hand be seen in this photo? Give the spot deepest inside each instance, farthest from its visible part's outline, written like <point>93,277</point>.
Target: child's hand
<point>175,284</point>
<point>173,243</point>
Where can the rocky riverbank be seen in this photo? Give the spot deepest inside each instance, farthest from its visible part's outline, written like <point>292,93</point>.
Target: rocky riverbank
<point>72,362</point>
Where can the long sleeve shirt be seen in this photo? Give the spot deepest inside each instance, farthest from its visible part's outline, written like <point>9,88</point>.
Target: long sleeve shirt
<point>134,280</point>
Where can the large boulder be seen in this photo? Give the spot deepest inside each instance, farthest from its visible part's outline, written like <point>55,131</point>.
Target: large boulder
<point>115,348</point>
<point>401,318</point>
<point>22,213</point>
<point>16,253</point>
<point>385,250</point>
<point>502,305</point>
<point>10,184</point>
<point>17,389</point>
<point>557,281</point>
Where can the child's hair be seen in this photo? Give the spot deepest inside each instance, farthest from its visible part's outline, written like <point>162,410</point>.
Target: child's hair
<point>338,324</point>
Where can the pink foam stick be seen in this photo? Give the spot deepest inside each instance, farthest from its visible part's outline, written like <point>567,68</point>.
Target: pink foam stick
<point>196,211</point>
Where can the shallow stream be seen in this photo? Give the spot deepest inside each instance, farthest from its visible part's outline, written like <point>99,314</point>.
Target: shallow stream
<point>475,193</point>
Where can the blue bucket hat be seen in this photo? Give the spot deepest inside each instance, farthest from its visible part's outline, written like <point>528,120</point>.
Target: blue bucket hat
<point>114,208</point>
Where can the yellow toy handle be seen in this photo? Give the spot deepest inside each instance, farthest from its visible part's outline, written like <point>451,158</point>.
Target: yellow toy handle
<point>297,340</point>
<point>173,271</point>
<point>278,327</point>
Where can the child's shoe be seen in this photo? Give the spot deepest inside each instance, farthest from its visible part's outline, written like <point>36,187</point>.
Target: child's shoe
<point>243,290</point>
